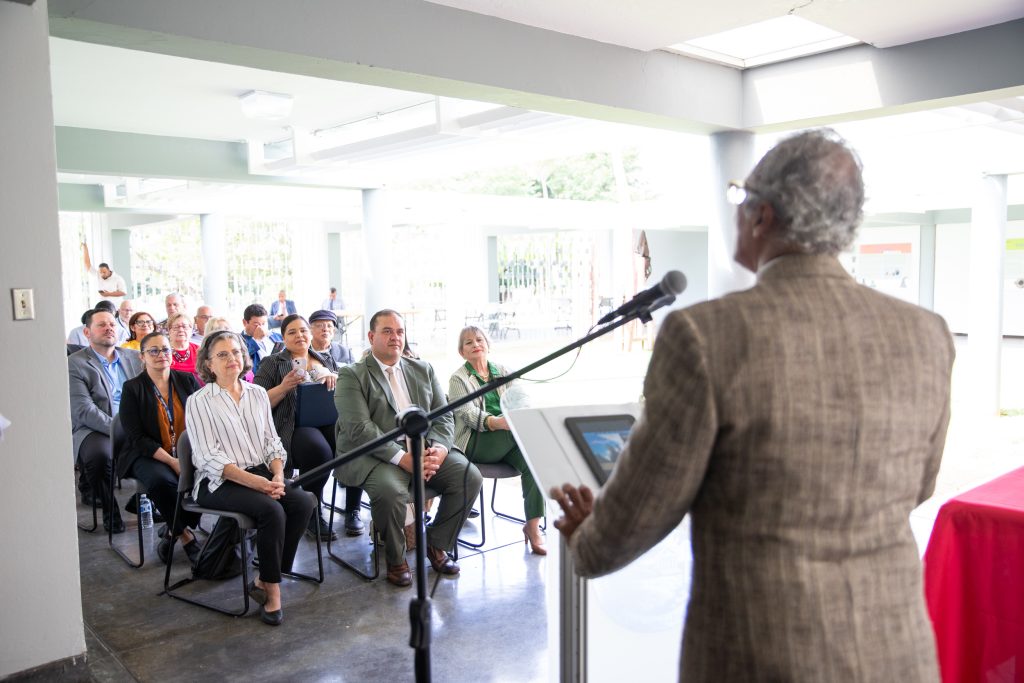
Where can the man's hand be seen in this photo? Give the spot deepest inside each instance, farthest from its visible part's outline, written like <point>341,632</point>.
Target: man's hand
<point>576,504</point>
<point>433,458</point>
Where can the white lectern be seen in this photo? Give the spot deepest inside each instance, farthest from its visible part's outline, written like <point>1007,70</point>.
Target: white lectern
<point>624,626</point>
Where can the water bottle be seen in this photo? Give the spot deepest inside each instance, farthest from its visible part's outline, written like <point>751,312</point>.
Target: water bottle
<point>145,512</point>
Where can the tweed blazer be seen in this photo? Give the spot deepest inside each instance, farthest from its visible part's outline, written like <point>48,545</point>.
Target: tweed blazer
<point>367,410</point>
<point>140,415</point>
<point>91,402</point>
<point>798,423</point>
<point>271,373</point>
<point>471,417</point>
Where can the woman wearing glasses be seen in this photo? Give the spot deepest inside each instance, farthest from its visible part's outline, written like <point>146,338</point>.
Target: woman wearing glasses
<point>153,417</point>
<point>239,463</point>
<point>183,350</point>
<point>139,325</point>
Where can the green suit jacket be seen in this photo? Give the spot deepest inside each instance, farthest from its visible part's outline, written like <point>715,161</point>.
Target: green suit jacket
<point>367,409</point>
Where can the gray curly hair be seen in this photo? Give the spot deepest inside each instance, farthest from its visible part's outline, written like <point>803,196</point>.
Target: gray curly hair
<point>813,182</point>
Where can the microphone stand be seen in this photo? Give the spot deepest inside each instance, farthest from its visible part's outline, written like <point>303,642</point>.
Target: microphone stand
<point>414,423</point>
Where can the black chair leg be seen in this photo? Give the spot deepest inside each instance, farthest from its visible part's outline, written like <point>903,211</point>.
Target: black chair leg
<point>375,552</point>
<point>170,588</point>
<point>110,532</point>
<point>319,554</point>
<point>483,528</point>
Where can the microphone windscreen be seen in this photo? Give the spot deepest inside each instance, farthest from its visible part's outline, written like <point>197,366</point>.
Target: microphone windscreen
<point>674,282</point>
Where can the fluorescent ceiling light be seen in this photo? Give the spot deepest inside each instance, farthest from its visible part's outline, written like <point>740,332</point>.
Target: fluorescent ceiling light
<point>765,42</point>
<point>270,106</point>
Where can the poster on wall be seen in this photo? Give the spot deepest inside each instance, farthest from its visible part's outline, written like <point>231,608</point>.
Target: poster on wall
<point>887,267</point>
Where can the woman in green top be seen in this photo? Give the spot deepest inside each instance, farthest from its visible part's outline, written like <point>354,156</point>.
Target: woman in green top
<point>483,434</point>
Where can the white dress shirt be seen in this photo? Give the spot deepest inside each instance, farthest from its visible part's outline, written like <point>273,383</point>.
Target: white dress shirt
<point>223,433</point>
<point>403,385</point>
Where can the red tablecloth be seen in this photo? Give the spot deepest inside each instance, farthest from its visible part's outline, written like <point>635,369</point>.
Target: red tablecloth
<point>974,582</point>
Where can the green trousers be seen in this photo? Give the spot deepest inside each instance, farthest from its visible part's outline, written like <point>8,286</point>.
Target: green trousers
<point>487,448</point>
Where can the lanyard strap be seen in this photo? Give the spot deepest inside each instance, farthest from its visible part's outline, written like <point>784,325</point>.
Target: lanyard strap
<point>168,407</point>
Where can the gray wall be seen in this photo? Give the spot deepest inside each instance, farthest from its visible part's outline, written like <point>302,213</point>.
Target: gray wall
<point>686,252</point>
<point>41,619</point>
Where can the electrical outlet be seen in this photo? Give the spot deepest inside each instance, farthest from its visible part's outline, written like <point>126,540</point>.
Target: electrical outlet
<point>24,307</point>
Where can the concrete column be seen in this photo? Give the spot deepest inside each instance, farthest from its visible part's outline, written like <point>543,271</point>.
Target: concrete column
<point>121,256</point>
<point>333,261</point>
<point>310,284</point>
<point>215,277</point>
<point>732,158</point>
<point>985,318</point>
<point>41,617</point>
<point>492,269</point>
<point>926,268</point>
<point>378,292</point>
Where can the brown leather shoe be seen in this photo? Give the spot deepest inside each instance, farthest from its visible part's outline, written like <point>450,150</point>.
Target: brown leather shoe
<point>398,575</point>
<point>440,561</point>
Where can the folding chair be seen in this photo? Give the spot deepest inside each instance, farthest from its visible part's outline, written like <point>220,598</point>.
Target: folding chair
<point>495,471</point>
<point>185,503</point>
<point>117,443</point>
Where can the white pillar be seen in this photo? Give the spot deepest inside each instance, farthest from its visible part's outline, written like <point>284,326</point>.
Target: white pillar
<point>310,283</point>
<point>732,158</point>
<point>377,244</point>
<point>985,319</point>
<point>215,276</point>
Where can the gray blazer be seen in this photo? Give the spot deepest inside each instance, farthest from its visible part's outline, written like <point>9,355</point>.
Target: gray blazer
<point>798,423</point>
<point>367,409</point>
<point>91,409</point>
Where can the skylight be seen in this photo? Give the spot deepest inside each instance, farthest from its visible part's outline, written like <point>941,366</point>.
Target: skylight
<point>773,40</point>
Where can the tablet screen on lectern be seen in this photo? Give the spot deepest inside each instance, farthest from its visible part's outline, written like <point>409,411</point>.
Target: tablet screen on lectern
<point>600,439</point>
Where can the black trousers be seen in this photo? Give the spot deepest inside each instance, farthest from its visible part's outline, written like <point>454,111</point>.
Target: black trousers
<point>162,487</point>
<point>311,447</point>
<point>95,461</point>
<point>279,523</point>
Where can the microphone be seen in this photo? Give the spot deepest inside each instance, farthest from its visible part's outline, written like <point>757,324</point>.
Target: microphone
<point>661,294</point>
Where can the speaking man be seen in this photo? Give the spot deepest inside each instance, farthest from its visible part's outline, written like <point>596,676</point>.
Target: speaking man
<point>798,423</point>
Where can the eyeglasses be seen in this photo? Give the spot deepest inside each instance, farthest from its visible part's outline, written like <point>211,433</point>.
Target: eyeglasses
<point>322,325</point>
<point>153,351</point>
<point>203,317</point>
<point>736,193</point>
<point>181,326</point>
<point>144,323</point>
<point>225,355</point>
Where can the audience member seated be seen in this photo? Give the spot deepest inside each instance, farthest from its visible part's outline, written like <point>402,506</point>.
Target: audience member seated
<point>139,326</point>
<point>368,396</point>
<point>258,341</point>
<point>153,417</point>
<point>124,317</point>
<point>481,431</point>
<point>239,463</point>
<point>333,302</point>
<point>174,303</point>
<point>308,447</point>
<point>219,324</point>
<point>280,309</point>
<point>324,323</point>
<point>96,376</point>
<point>203,315</point>
<point>77,335</point>
<point>183,351</point>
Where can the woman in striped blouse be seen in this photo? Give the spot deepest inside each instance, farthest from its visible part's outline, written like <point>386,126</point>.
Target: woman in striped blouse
<point>240,463</point>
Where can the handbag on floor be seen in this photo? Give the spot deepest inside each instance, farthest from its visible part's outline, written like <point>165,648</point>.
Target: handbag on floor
<point>220,557</point>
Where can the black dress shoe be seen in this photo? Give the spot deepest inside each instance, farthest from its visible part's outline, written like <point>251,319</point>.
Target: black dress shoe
<point>113,522</point>
<point>272,618</point>
<point>319,525</point>
<point>192,549</point>
<point>353,525</point>
<point>163,550</point>
<point>473,513</point>
<point>256,593</point>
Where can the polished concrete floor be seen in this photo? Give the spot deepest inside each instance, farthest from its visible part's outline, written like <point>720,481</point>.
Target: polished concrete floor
<point>489,624</point>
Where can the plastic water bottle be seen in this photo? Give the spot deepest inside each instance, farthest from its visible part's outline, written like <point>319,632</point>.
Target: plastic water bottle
<point>145,512</point>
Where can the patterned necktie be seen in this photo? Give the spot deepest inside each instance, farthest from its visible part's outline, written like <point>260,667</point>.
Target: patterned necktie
<point>397,391</point>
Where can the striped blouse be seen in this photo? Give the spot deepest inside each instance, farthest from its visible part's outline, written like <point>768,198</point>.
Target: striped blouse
<point>223,433</point>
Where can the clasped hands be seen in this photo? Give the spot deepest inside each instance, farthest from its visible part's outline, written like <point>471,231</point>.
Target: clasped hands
<point>272,487</point>
<point>433,458</point>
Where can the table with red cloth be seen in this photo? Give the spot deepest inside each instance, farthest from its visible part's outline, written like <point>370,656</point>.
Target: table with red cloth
<point>974,582</point>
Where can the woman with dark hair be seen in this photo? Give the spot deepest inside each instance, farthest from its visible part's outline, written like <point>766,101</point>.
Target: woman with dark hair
<point>139,325</point>
<point>153,417</point>
<point>483,433</point>
<point>240,463</point>
<point>280,374</point>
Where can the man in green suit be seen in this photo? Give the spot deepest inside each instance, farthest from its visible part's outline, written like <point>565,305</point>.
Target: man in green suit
<point>369,394</point>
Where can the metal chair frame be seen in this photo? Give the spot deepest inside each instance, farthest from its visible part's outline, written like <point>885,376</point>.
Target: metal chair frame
<point>186,504</point>
<point>117,442</point>
<point>495,471</point>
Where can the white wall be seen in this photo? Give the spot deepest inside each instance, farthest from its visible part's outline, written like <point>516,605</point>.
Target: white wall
<point>41,619</point>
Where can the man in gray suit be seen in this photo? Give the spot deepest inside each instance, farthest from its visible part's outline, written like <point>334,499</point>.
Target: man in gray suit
<point>369,394</point>
<point>96,375</point>
<point>798,423</point>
